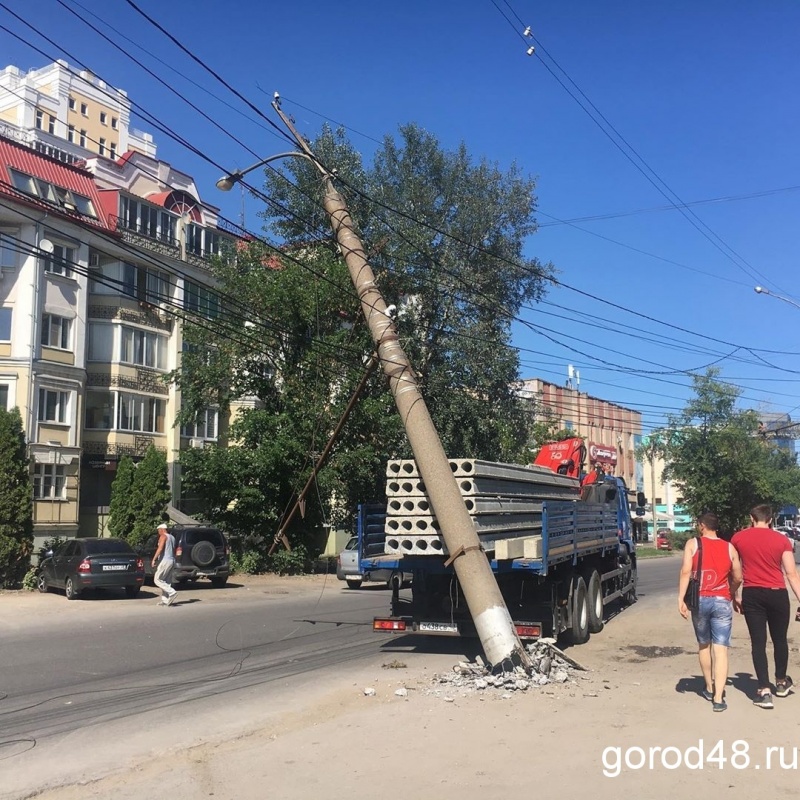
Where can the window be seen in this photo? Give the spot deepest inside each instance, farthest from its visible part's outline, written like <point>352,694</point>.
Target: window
<point>5,324</point>
<point>53,405</point>
<point>143,348</point>
<point>84,109</point>
<point>167,231</point>
<point>101,340</point>
<point>194,239</point>
<point>56,331</point>
<point>103,118</point>
<point>112,150</point>
<point>157,287</point>
<point>71,103</point>
<point>60,261</point>
<point>205,426</point>
<point>49,482</point>
<point>4,396</point>
<point>51,125</point>
<point>82,141</point>
<point>100,410</point>
<point>50,193</point>
<point>8,251</point>
<point>71,133</point>
<point>140,413</point>
<point>200,299</point>
<point>39,118</point>
<point>101,146</point>
<point>149,223</point>
<point>114,123</point>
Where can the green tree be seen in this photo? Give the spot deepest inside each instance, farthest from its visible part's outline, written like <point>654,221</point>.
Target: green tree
<point>121,512</point>
<point>302,353</point>
<point>150,495</point>
<point>451,261</point>
<point>16,501</point>
<point>719,462</point>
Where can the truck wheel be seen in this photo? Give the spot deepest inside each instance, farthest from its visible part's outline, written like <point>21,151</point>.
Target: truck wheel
<point>594,592</point>
<point>579,628</point>
<point>353,583</point>
<point>629,598</point>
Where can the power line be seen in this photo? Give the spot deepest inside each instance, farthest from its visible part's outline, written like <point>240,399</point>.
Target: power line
<point>633,156</point>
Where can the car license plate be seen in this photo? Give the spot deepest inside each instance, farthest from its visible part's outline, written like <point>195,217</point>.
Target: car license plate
<point>114,567</point>
<point>439,627</point>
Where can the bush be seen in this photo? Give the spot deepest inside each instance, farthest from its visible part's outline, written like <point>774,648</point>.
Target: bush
<point>678,539</point>
<point>290,562</point>
<point>249,562</point>
<point>30,581</point>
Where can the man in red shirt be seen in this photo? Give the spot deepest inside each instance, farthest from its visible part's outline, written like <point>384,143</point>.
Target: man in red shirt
<point>767,564</point>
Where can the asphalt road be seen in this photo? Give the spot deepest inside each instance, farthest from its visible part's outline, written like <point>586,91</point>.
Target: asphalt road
<point>85,662</point>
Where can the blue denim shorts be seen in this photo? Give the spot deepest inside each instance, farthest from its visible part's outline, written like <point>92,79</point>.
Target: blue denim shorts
<point>713,621</point>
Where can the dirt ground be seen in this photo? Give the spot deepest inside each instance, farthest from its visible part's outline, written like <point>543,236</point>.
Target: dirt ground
<point>599,733</point>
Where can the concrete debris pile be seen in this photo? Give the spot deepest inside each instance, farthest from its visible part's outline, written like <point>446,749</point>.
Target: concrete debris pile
<point>504,502</point>
<point>549,666</point>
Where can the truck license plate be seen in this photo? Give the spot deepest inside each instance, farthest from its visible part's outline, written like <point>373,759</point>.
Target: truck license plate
<point>439,627</point>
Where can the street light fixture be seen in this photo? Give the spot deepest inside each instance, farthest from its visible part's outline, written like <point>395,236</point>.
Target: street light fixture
<point>227,182</point>
<point>762,290</point>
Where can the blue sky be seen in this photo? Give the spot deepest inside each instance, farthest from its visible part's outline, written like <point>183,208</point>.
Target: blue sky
<point>704,91</point>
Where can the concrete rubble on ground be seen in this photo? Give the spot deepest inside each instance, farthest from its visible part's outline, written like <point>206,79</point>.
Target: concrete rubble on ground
<point>550,666</point>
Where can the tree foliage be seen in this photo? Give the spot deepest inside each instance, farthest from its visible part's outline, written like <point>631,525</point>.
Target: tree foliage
<point>16,501</point>
<point>139,497</point>
<point>453,265</point>
<point>719,461</point>
<point>150,495</point>
<point>121,512</point>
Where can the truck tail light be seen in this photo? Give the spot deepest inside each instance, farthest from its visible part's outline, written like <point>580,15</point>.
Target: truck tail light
<point>178,551</point>
<point>529,631</point>
<point>388,625</point>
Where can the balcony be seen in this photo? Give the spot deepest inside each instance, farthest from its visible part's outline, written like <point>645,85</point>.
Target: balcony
<point>145,380</point>
<point>137,448</point>
<point>134,234</point>
<point>147,316</point>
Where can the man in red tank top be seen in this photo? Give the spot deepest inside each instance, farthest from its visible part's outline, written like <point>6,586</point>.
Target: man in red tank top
<point>720,577</point>
<point>768,563</point>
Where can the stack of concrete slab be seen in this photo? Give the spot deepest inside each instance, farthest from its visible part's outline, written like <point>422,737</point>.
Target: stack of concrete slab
<point>504,502</point>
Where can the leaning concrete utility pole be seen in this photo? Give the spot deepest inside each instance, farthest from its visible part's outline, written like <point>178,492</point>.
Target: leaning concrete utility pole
<point>486,605</point>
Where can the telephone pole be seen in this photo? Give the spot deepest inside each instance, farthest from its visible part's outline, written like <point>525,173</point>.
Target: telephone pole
<point>481,592</point>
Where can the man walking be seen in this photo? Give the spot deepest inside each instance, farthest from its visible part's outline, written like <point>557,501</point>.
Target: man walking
<point>163,574</point>
<point>767,563</point>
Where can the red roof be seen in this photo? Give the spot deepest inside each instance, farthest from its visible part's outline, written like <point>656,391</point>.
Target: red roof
<point>24,159</point>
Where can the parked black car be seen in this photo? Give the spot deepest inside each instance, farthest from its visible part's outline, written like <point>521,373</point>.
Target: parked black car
<point>200,552</point>
<point>91,564</point>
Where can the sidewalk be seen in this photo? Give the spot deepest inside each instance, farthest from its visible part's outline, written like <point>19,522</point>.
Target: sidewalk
<point>326,739</point>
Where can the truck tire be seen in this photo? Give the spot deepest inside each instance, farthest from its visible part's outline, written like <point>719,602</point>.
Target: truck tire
<point>203,554</point>
<point>579,607</point>
<point>630,597</point>
<point>594,592</point>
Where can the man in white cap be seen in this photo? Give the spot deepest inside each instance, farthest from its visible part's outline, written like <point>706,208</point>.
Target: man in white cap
<point>163,574</point>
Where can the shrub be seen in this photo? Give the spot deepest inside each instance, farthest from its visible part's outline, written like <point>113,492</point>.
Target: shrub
<point>29,582</point>
<point>678,539</point>
<point>290,562</point>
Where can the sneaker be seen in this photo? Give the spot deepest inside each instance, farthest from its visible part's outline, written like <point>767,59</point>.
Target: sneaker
<point>721,706</point>
<point>171,599</point>
<point>707,695</point>
<point>784,687</point>
<point>763,700</point>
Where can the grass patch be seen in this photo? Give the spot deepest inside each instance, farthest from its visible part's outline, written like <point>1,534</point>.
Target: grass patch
<point>643,551</point>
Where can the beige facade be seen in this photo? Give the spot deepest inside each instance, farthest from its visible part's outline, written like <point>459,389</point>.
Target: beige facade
<point>611,431</point>
<point>90,333</point>
<point>66,113</point>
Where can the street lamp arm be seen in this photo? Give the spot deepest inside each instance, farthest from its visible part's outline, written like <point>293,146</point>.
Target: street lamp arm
<point>763,290</point>
<point>227,182</point>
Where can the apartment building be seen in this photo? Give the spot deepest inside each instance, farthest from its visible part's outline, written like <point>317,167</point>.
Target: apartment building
<point>100,256</point>
<point>612,432</point>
